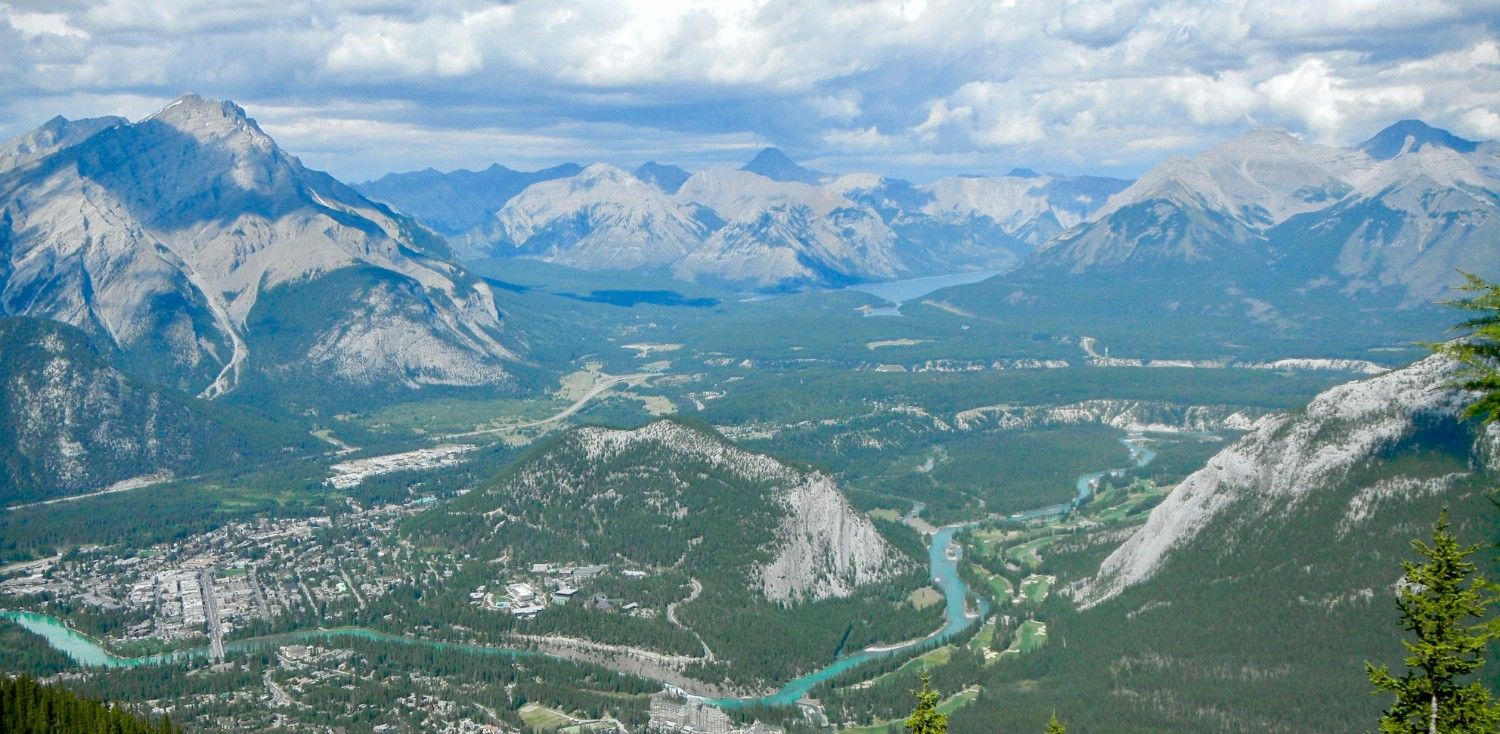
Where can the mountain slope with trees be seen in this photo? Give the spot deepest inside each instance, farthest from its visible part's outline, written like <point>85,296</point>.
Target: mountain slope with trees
<point>70,421</point>
<point>1254,592</point>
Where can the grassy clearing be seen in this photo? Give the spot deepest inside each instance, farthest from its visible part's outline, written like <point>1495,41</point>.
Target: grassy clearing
<point>925,597</point>
<point>451,415</point>
<point>1029,636</point>
<point>983,638</point>
<point>538,716</point>
<point>999,586</point>
<point>930,659</point>
<point>1035,588</point>
<point>1029,553</point>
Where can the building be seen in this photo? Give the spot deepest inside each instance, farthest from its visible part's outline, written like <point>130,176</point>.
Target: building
<point>671,713</point>
<point>528,611</point>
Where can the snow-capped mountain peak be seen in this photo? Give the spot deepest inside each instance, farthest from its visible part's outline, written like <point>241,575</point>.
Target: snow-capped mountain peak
<point>736,194</point>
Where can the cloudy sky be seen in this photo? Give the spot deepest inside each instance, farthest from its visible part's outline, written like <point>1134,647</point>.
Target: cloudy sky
<point>915,88</point>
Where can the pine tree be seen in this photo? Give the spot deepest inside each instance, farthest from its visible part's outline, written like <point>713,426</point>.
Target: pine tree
<point>1443,605</point>
<point>1478,349</point>
<point>1055,727</point>
<point>1479,346</point>
<point>925,718</point>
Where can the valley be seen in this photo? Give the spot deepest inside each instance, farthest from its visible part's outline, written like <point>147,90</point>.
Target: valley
<point>745,449</point>
<point>276,586</point>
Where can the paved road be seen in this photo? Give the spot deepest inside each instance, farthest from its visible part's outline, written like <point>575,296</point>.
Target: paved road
<point>260,597</point>
<point>121,486</point>
<point>279,695</point>
<point>672,617</point>
<point>40,562</point>
<point>352,588</point>
<point>312,604</point>
<point>211,612</point>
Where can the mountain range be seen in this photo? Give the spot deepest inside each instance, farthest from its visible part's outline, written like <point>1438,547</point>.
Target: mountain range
<point>1266,218</point>
<point>771,224</point>
<point>185,239</point>
<point>1273,231</point>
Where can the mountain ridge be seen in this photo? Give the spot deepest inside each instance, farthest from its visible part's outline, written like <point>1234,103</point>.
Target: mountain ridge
<point>162,235</point>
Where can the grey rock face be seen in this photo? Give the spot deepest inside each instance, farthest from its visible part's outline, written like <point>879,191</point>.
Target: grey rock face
<point>1287,457</point>
<point>162,235</point>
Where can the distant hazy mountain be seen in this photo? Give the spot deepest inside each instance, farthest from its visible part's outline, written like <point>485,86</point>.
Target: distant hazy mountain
<point>1400,213</point>
<point>454,202</point>
<point>966,222</point>
<point>1415,215</point>
<point>775,225</point>
<point>777,166</point>
<point>668,178</point>
<point>1212,209</point>
<point>1411,135</point>
<point>782,234</point>
<point>206,253</point>
<point>1268,242</point>
<point>71,422</point>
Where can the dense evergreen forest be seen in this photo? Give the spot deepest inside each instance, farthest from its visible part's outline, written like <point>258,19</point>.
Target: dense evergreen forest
<point>24,652</point>
<point>28,707</point>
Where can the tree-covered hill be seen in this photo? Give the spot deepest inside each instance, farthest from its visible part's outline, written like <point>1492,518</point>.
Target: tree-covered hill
<point>71,422</point>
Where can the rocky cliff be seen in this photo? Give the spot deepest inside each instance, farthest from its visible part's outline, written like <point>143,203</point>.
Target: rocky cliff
<point>1288,459</point>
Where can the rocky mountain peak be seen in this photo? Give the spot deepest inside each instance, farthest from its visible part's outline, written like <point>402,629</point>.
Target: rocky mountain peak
<point>163,235</point>
<point>208,119</point>
<point>53,135</point>
<point>1284,459</point>
<point>1410,136</point>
